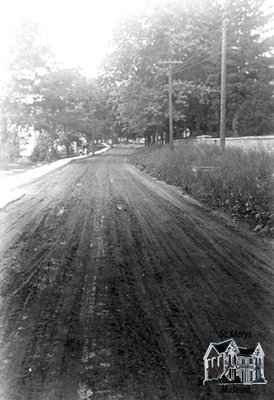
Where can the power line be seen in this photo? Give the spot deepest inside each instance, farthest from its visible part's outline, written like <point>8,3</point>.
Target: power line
<point>205,46</point>
<point>187,65</point>
<point>197,53</point>
<point>202,50</point>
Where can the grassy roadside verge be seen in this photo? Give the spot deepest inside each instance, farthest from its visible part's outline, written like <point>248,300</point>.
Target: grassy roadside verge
<point>238,183</point>
<point>23,164</point>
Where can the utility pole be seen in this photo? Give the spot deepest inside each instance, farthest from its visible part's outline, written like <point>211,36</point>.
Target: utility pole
<point>93,132</point>
<point>223,86</point>
<point>112,136</point>
<point>170,107</point>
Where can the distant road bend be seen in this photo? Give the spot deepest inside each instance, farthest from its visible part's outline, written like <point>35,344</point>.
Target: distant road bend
<point>113,286</point>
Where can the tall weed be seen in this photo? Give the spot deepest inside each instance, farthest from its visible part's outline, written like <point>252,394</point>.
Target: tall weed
<point>239,183</point>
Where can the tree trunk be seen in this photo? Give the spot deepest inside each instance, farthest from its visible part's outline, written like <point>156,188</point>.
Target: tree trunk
<point>166,137</point>
<point>162,138</point>
<point>235,125</point>
<point>67,149</point>
<point>153,138</point>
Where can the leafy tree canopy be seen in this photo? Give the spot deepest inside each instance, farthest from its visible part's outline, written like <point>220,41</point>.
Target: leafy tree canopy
<point>191,33</point>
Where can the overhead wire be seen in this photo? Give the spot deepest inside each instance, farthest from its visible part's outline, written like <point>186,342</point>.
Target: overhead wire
<point>186,67</point>
<point>203,47</point>
<point>192,61</point>
<point>181,67</point>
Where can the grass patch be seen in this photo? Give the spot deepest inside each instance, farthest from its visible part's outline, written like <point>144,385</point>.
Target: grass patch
<point>239,183</point>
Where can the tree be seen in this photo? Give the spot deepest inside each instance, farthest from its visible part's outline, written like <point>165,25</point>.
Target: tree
<point>191,32</point>
<point>31,59</point>
<point>249,58</point>
<point>66,106</point>
<point>248,73</point>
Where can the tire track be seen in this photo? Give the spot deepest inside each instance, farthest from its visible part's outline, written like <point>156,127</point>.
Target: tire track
<point>115,285</point>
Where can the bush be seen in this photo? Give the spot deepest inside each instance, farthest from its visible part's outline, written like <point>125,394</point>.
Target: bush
<point>8,152</point>
<point>42,152</point>
<point>236,182</point>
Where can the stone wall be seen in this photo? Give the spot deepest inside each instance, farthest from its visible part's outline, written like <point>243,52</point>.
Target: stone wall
<point>254,143</point>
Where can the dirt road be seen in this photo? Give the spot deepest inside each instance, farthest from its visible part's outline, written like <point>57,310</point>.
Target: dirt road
<point>114,285</point>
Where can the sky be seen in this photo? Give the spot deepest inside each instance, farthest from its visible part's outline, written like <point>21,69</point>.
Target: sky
<point>80,29</point>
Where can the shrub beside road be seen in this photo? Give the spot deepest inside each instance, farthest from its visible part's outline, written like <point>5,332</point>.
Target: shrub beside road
<point>238,183</point>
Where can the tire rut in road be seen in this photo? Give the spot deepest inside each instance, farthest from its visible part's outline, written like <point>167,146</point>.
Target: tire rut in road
<point>42,293</point>
<point>227,286</point>
<point>117,286</point>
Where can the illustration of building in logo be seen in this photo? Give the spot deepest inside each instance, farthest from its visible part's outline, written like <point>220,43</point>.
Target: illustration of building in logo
<point>227,363</point>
